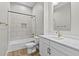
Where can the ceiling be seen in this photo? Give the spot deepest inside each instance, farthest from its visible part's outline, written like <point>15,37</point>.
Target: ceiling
<point>28,4</point>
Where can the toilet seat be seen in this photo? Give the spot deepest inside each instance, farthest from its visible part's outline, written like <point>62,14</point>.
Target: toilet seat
<point>30,45</point>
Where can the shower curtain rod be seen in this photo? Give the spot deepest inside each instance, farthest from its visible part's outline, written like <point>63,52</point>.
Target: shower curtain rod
<point>21,13</point>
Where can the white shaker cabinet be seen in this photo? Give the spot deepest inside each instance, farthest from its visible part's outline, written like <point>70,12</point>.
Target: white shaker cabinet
<point>49,47</point>
<point>63,50</point>
<point>44,47</point>
<point>55,51</point>
<point>3,27</point>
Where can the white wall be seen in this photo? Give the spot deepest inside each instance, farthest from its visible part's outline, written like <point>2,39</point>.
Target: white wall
<point>48,18</point>
<point>16,31</point>
<point>38,11</point>
<point>46,31</point>
<point>20,8</point>
<point>3,28</point>
<point>75,18</point>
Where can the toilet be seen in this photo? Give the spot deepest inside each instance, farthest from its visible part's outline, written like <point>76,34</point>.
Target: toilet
<point>32,46</point>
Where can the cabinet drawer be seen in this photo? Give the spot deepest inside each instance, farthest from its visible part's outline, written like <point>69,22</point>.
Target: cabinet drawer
<point>64,49</point>
<point>43,40</point>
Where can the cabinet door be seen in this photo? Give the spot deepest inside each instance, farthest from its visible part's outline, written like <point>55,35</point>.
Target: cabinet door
<point>55,51</point>
<point>43,48</point>
<point>61,50</point>
<point>3,27</point>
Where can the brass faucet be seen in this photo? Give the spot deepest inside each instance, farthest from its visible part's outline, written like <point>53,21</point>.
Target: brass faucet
<point>58,34</point>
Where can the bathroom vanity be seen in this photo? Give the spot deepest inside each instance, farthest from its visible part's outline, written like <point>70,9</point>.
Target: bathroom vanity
<point>50,45</point>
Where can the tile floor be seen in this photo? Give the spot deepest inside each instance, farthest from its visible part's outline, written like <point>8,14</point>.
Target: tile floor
<point>22,52</point>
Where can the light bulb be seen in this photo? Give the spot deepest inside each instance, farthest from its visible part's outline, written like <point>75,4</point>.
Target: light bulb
<point>55,3</point>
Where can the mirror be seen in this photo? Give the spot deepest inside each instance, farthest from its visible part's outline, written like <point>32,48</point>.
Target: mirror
<point>62,16</point>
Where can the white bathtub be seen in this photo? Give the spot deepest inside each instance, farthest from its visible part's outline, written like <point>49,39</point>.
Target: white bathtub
<point>18,44</point>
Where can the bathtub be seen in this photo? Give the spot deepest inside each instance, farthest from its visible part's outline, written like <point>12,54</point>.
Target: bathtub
<point>18,44</point>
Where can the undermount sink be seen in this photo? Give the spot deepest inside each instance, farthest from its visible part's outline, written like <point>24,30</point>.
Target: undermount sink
<point>59,38</point>
<point>54,36</point>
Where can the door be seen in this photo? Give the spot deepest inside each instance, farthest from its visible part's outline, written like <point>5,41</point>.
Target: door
<point>3,27</point>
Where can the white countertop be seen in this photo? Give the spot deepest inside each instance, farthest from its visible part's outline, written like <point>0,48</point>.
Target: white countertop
<point>73,43</point>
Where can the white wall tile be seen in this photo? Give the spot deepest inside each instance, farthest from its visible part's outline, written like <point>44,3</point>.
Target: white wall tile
<point>38,11</point>
<point>16,31</point>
